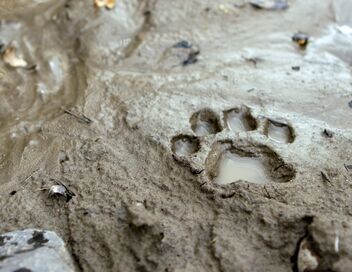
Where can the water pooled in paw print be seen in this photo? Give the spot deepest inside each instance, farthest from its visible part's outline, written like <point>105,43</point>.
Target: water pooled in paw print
<point>184,145</point>
<point>240,119</point>
<point>205,122</point>
<point>279,132</point>
<point>230,162</point>
<point>233,167</point>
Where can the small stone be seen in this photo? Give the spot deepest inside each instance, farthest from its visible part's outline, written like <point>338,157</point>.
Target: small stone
<point>34,250</point>
<point>60,190</point>
<point>307,259</point>
<point>301,39</point>
<point>269,4</point>
<point>10,57</point>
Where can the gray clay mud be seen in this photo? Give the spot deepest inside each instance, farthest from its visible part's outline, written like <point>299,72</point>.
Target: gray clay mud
<point>133,110</point>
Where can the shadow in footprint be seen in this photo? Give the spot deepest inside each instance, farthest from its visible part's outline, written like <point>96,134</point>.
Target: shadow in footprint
<point>240,119</point>
<point>205,122</point>
<point>279,132</point>
<point>228,162</point>
<point>185,145</point>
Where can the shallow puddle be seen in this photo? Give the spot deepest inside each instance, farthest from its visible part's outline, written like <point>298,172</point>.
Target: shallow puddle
<point>233,168</point>
<point>280,133</point>
<point>185,145</point>
<point>239,121</point>
<point>50,76</point>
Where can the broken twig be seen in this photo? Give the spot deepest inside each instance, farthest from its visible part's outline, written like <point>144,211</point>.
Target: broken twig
<point>79,116</point>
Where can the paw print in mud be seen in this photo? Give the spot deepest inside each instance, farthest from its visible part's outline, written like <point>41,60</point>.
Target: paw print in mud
<point>233,147</point>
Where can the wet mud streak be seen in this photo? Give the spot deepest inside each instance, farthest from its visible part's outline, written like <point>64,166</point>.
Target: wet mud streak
<point>144,30</point>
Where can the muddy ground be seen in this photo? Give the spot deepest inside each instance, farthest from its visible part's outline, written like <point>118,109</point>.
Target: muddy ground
<point>112,91</point>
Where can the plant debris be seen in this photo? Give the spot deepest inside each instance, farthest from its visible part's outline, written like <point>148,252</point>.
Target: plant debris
<point>325,176</point>
<point>183,44</point>
<point>348,167</point>
<point>10,57</point>
<point>328,133</point>
<point>301,39</point>
<point>108,4</point>
<point>192,58</point>
<point>350,104</point>
<point>269,4</point>
<point>253,60</point>
<point>81,117</point>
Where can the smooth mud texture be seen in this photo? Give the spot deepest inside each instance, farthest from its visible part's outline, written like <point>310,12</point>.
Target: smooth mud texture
<point>234,168</point>
<point>105,94</point>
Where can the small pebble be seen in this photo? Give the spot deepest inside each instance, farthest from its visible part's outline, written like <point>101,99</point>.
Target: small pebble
<point>301,39</point>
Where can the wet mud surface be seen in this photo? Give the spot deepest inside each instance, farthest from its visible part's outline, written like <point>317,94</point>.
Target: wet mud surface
<point>133,110</point>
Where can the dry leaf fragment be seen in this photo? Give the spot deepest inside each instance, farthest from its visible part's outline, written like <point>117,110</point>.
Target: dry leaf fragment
<point>10,57</point>
<point>109,4</point>
<point>99,3</point>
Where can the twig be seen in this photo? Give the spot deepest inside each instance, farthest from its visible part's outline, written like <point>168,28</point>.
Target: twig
<point>267,192</point>
<point>79,116</point>
<point>325,177</point>
<point>29,176</point>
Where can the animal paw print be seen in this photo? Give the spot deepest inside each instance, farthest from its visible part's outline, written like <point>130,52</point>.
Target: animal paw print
<point>240,119</point>
<point>230,149</point>
<point>279,132</point>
